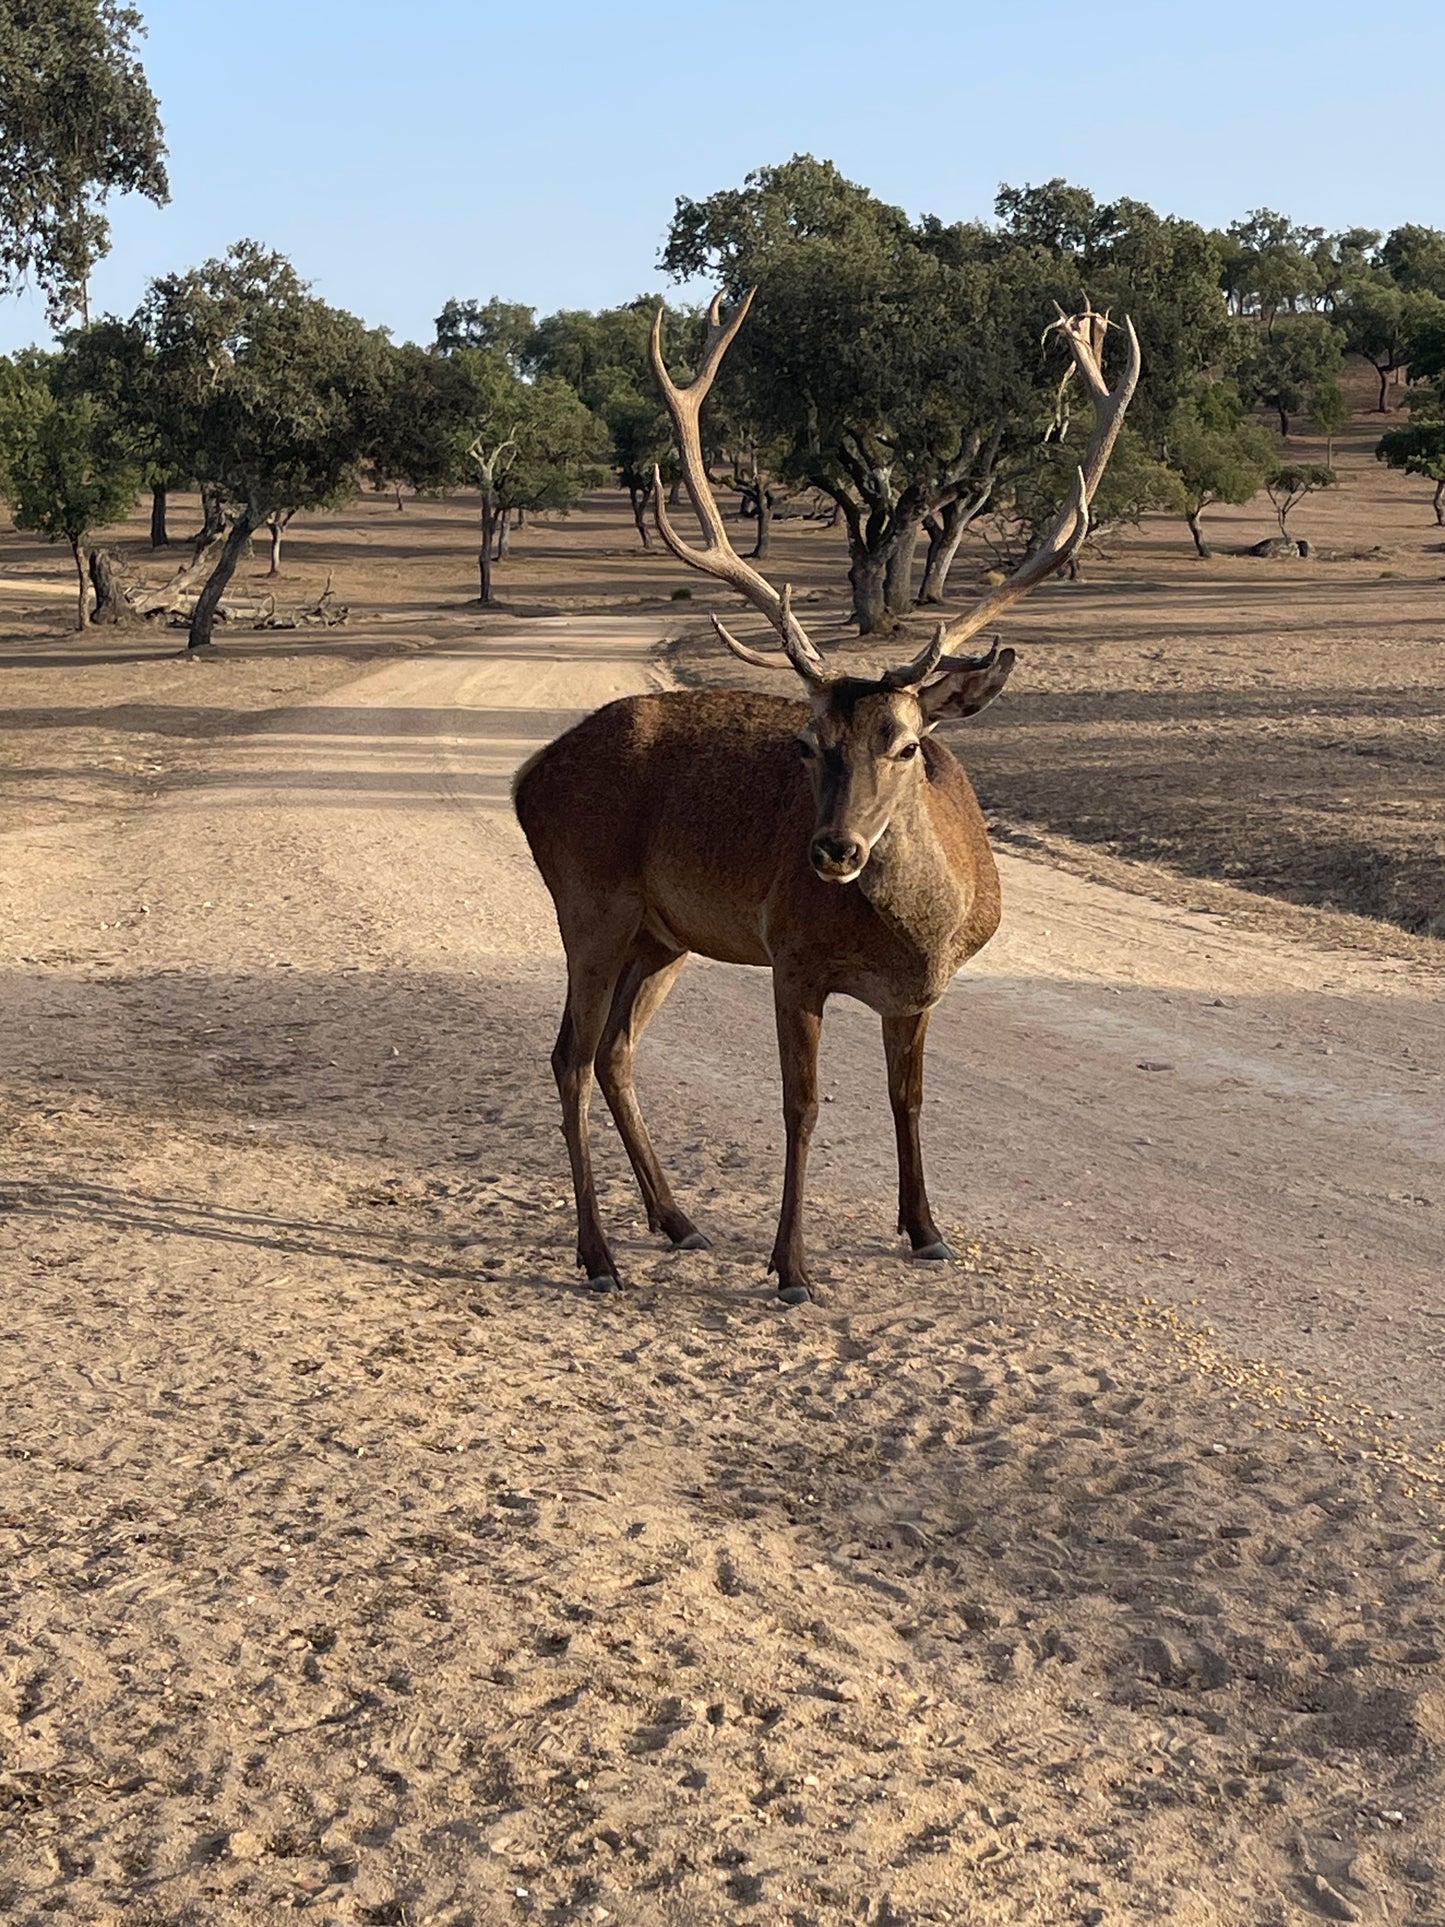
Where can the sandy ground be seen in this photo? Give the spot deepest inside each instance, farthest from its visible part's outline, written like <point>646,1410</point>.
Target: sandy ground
<point>360,1563</point>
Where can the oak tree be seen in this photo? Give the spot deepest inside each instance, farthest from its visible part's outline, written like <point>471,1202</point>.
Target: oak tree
<point>1219,452</point>
<point>78,122</point>
<point>276,395</point>
<point>65,466</point>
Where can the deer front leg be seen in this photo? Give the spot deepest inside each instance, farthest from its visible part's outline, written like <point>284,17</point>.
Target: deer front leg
<point>903,1047</point>
<point>800,1025</point>
<point>592,973</point>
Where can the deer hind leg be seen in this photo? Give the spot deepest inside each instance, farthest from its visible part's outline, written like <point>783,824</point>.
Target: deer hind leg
<point>903,1047</point>
<point>800,1025</point>
<point>596,957</point>
<point>648,975</point>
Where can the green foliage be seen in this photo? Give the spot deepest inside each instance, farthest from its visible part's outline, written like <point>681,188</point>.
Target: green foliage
<point>1164,274</point>
<point>65,465</point>
<point>522,444</point>
<point>505,326</point>
<point>1286,370</point>
<point>1217,450</point>
<point>270,395</point>
<point>1414,257</point>
<point>1427,359</point>
<point>878,358</point>
<point>1291,482</point>
<point>1273,266</point>
<point>603,358</point>
<point>116,362</point>
<point>735,234</point>
<point>1418,448</point>
<point>900,366</point>
<point>561,446</point>
<point>79,123</point>
<point>419,417</point>
<point>1384,324</point>
<point>1135,482</point>
<point>1329,411</point>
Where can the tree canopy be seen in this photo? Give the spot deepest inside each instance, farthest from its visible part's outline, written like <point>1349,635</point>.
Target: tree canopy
<point>1219,452</point>
<point>903,369</point>
<point>270,394</point>
<point>78,122</point>
<point>66,467</point>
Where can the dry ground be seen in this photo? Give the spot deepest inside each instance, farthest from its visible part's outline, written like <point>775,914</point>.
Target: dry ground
<point>359,1564</point>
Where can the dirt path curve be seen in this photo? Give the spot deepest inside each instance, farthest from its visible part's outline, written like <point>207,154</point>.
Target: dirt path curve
<point>1252,1127</point>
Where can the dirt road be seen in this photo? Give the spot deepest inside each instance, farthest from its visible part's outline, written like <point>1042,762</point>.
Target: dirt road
<point>1242,1125</point>
<point>361,1563</point>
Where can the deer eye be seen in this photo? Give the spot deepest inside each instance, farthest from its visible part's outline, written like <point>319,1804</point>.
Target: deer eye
<point>805,747</point>
<point>907,752</point>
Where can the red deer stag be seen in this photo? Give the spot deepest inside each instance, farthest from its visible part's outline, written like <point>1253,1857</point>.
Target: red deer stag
<point>835,840</point>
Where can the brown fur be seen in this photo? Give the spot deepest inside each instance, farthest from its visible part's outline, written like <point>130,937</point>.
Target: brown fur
<point>665,824</point>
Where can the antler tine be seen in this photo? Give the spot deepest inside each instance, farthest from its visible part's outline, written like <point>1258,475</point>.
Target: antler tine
<point>801,653</point>
<point>1084,333</point>
<point>985,661</point>
<point>910,674</point>
<point>741,649</point>
<point>719,558</point>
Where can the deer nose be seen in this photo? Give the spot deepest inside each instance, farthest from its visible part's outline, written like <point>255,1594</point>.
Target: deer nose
<point>838,857</point>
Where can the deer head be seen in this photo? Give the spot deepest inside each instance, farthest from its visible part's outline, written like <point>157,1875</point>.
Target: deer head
<point>863,744</point>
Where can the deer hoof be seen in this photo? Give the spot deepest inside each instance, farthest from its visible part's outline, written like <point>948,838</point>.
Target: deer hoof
<point>694,1241</point>
<point>794,1294</point>
<point>937,1250</point>
<point>605,1281</point>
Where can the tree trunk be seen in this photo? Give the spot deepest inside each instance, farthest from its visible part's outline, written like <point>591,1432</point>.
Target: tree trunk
<point>764,540</point>
<point>868,578</point>
<point>939,559</point>
<point>945,529</point>
<point>400,504</point>
<point>213,513</point>
<point>203,620</point>
<point>640,495</point>
<point>83,607</point>
<point>484,558</point>
<point>504,535</point>
<point>159,498</point>
<point>1440,502</point>
<point>1193,519</point>
<point>273,529</point>
<point>674,493</point>
<point>1283,414</point>
<point>898,578</point>
<point>111,605</point>
<point>1382,406</point>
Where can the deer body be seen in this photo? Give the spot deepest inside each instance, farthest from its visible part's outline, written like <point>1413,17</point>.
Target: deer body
<point>833,841</point>
<point>694,807</point>
<point>670,824</point>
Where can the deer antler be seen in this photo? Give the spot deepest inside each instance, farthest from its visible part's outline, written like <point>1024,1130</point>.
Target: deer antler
<point>910,675</point>
<point>719,558</point>
<point>1084,333</point>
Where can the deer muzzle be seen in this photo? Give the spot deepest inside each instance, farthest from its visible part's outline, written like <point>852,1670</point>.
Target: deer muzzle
<point>838,857</point>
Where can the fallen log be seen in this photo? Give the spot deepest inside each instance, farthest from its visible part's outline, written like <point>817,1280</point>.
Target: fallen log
<point>188,580</point>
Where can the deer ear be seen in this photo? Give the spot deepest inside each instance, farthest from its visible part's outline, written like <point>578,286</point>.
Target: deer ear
<point>964,692</point>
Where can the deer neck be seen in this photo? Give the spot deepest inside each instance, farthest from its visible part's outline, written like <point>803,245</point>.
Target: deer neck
<point>918,892</point>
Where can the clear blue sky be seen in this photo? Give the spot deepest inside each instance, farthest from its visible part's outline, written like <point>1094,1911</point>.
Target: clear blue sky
<point>402,153</point>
